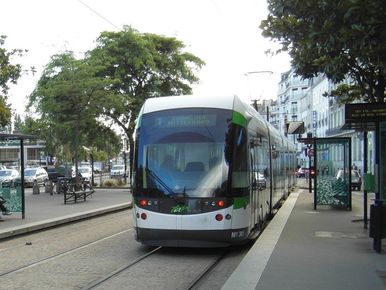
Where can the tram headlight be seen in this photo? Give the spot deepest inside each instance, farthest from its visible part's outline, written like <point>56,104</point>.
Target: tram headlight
<point>221,203</point>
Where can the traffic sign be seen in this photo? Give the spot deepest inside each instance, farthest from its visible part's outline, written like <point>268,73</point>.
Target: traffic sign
<point>310,152</point>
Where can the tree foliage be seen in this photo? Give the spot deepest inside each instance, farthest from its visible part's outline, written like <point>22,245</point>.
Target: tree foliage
<point>142,66</point>
<point>9,74</point>
<point>82,98</point>
<point>65,99</point>
<point>335,38</point>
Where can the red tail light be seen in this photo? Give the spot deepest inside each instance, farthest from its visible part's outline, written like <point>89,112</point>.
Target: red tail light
<point>143,216</point>
<point>219,217</point>
<point>143,202</point>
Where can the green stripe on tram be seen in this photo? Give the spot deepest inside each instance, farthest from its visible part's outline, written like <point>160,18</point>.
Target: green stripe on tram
<point>239,119</point>
<point>240,202</point>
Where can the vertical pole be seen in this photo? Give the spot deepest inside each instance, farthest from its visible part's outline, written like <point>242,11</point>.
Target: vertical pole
<point>377,165</point>
<point>375,219</point>
<point>309,175</point>
<point>316,173</point>
<point>365,144</point>
<point>125,167</point>
<point>22,178</point>
<point>349,175</point>
<point>92,169</point>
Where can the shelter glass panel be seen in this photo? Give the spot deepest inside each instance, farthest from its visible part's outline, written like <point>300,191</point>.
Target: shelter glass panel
<point>13,196</point>
<point>333,178</point>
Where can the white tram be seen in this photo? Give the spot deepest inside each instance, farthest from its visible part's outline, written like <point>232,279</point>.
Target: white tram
<point>208,172</point>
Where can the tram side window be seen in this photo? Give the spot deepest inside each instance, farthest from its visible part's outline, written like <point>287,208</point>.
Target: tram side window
<point>260,162</point>
<point>240,159</point>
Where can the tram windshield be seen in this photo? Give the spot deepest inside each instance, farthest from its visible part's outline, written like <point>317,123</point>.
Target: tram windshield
<point>181,153</point>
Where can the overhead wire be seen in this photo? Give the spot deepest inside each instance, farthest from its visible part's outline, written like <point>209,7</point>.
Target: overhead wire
<point>98,14</point>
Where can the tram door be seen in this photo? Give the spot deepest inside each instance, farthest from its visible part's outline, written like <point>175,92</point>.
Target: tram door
<point>254,189</point>
<point>259,179</point>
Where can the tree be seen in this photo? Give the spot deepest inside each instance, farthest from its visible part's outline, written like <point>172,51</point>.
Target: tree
<point>65,99</point>
<point>142,66</point>
<point>111,82</point>
<point>9,74</point>
<point>335,38</point>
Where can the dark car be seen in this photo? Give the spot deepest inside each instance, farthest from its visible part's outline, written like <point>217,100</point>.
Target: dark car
<point>54,173</point>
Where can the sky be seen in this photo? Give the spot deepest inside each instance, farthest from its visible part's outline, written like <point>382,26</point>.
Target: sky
<point>223,33</point>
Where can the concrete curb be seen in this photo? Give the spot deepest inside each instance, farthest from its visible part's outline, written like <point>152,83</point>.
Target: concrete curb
<point>31,227</point>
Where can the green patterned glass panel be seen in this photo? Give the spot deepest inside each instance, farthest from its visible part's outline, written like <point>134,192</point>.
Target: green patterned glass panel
<point>13,197</point>
<point>332,167</point>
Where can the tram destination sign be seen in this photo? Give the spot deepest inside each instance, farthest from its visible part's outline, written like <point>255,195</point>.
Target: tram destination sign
<point>184,121</point>
<point>367,112</point>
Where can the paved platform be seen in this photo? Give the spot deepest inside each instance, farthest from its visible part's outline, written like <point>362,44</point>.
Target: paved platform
<point>301,248</point>
<point>44,210</point>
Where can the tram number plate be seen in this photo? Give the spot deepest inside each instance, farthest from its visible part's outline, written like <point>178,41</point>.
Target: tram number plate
<point>237,234</point>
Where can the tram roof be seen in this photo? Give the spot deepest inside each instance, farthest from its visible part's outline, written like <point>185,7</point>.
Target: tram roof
<point>190,101</point>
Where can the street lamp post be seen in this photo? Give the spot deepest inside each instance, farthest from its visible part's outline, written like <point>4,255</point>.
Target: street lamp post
<point>249,88</point>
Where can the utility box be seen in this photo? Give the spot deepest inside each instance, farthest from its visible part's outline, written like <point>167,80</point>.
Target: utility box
<point>369,182</point>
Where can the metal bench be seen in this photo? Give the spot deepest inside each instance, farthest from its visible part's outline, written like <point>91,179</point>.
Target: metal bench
<point>75,190</point>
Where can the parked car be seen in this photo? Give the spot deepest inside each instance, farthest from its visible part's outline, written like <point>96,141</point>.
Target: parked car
<point>356,179</point>
<point>8,176</point>
<point>33,175</point>
<point>304,172</point>
<point>117,170</point>
<point>55,172</point>
<point>85,172</point>
<point>98,167</point>
<point>301,172</point>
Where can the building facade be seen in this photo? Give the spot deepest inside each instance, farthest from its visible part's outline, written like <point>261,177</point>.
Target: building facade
<point>305,100</point>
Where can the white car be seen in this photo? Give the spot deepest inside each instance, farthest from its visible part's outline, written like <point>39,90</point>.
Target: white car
<point>117,171</point>
<point>7,177</point>
<point>34,175</point>
<point>86,172</point>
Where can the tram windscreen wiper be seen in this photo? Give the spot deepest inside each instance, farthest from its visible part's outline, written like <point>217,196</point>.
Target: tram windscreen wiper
<point>160,181</point>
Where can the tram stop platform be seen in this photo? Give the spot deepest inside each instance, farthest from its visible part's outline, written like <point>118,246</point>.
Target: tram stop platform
<point>301,248</point>
<point>44,210</point>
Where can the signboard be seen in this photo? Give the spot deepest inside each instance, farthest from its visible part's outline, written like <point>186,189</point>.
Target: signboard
<point>365,112</point>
